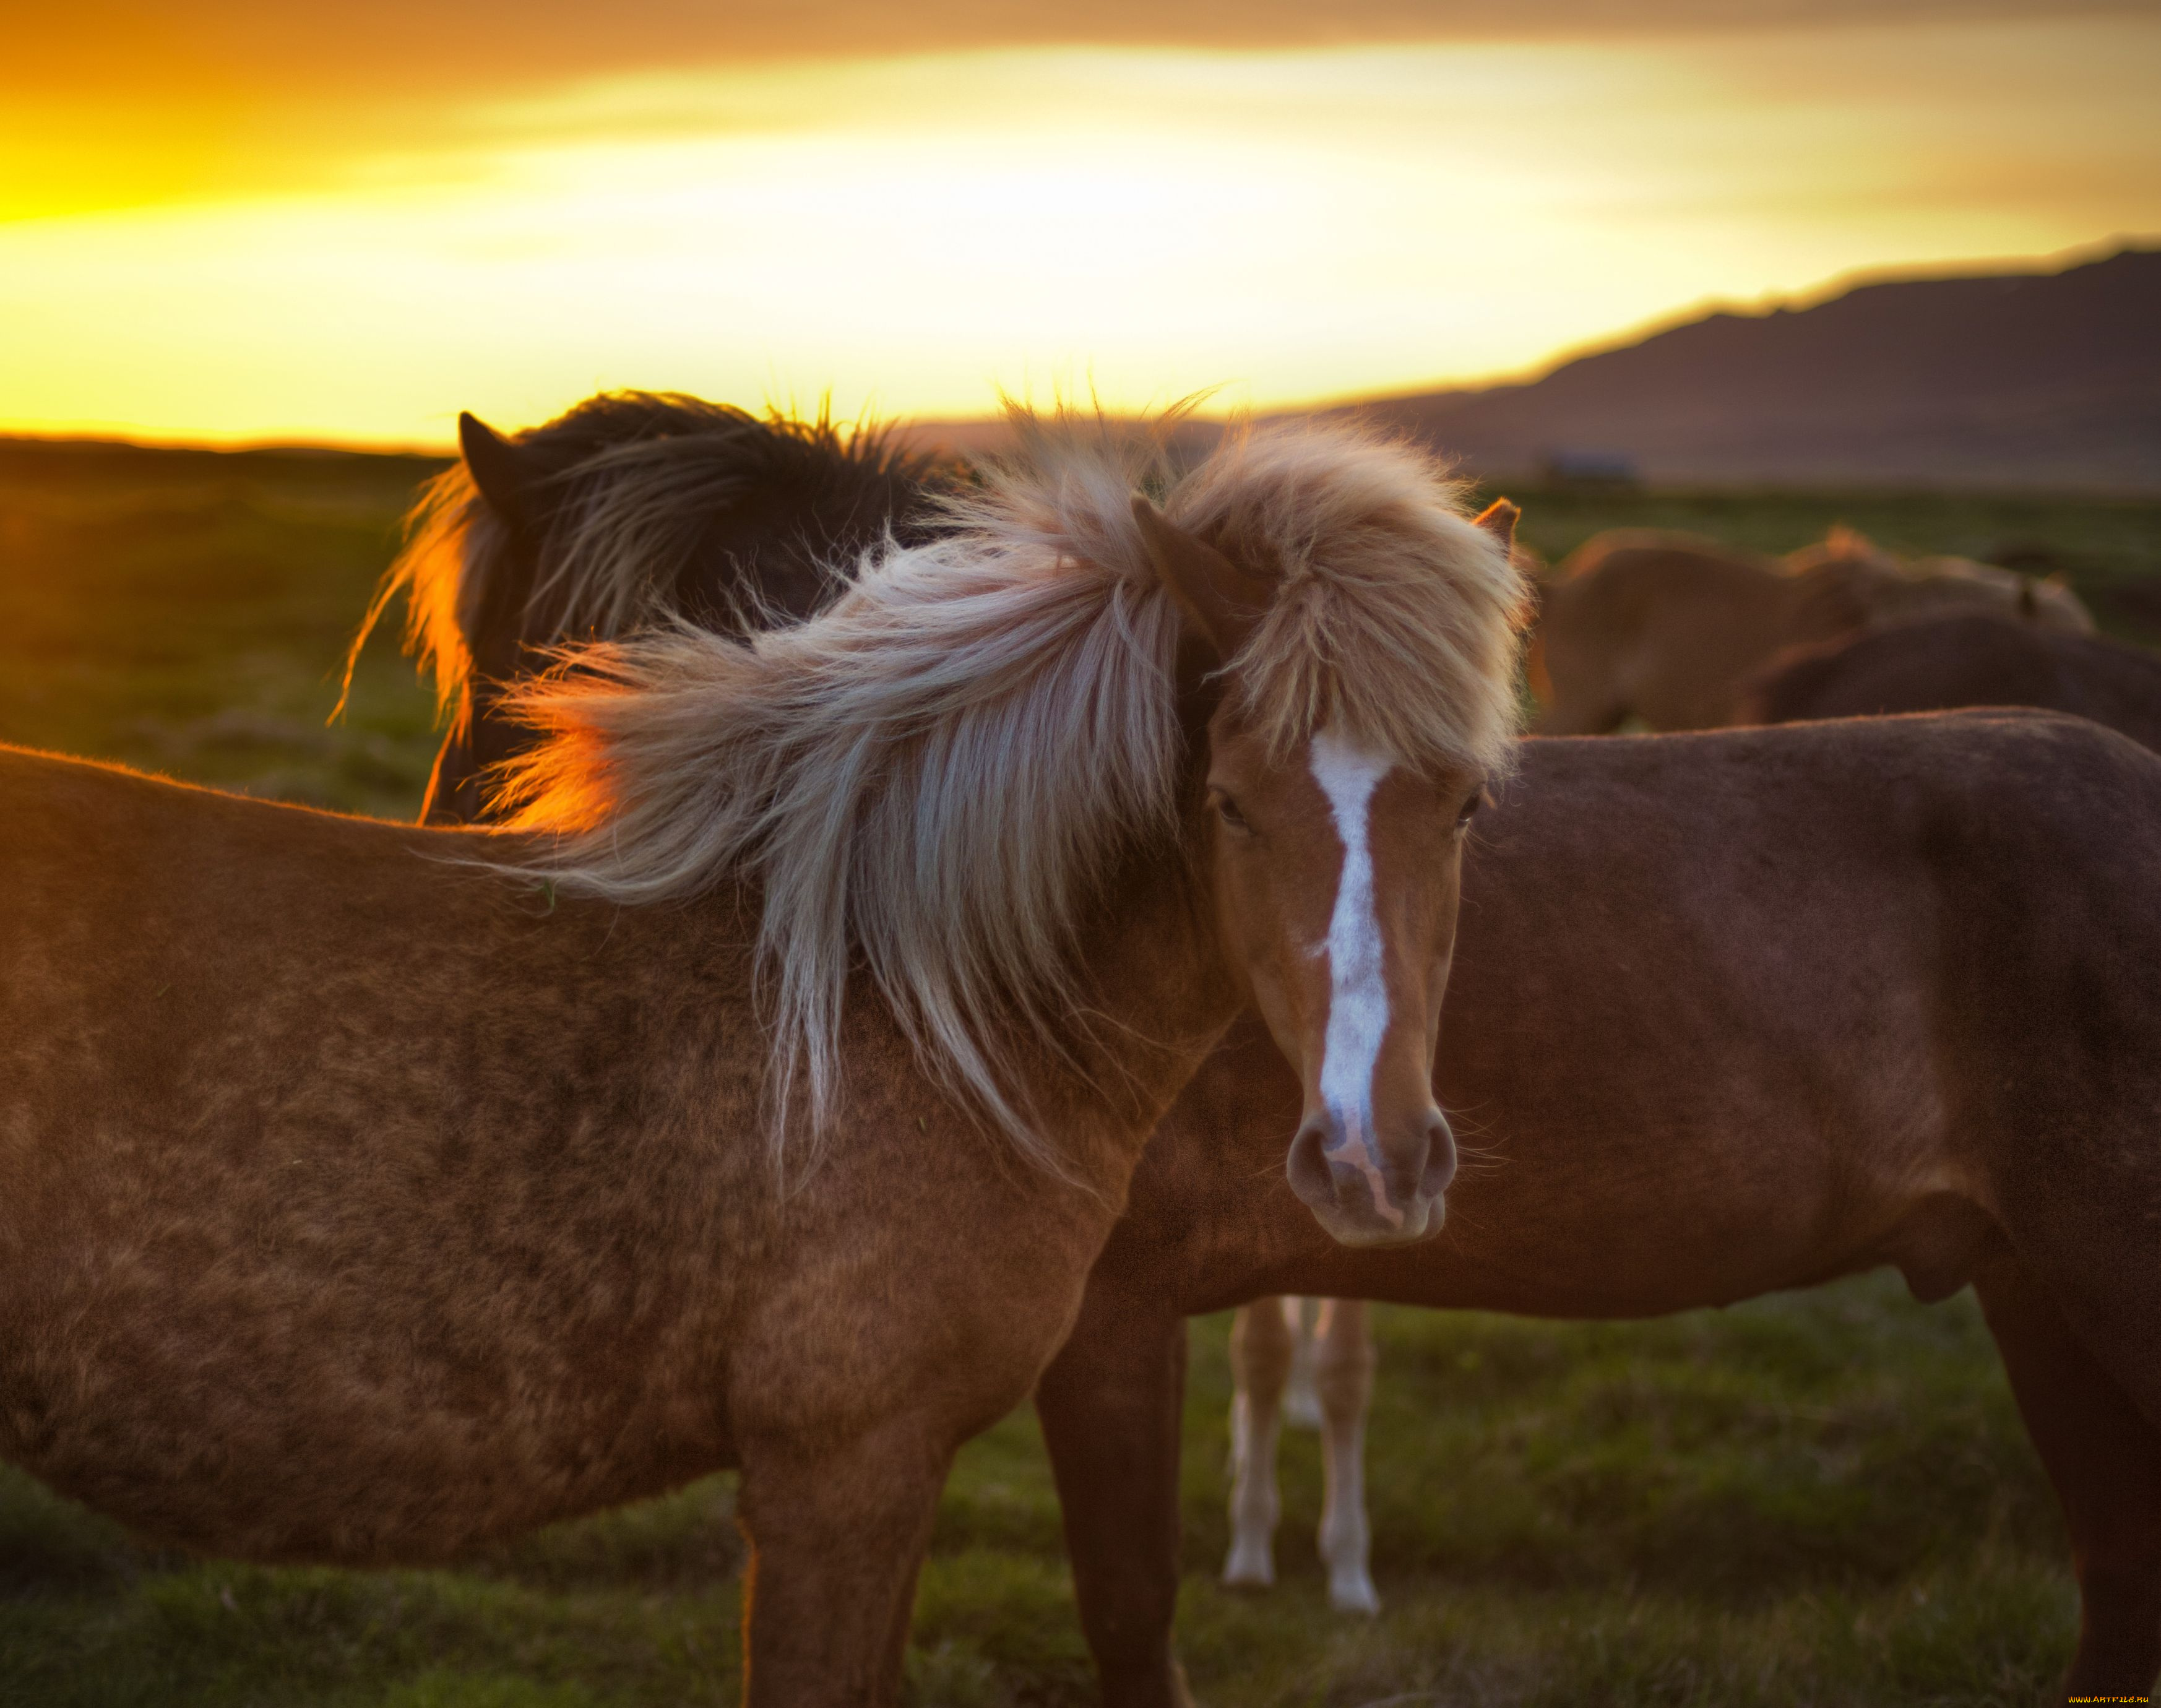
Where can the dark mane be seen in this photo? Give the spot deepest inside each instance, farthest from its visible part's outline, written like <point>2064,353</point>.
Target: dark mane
<point>628,510</point>
<point>664,502</point>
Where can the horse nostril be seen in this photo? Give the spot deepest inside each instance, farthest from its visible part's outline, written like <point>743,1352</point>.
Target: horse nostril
<point>1440,1157</point>
<point>1310,1177</point>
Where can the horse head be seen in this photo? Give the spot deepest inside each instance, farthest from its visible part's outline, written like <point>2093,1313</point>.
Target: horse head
<point>1337,861</point>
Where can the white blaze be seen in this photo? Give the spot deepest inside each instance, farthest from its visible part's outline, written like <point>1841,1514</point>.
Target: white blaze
<point>1357,991</point>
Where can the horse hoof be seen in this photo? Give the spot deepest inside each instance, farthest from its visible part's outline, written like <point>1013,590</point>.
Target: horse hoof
<point>1250,1567</point>
<point>1353,1592</point>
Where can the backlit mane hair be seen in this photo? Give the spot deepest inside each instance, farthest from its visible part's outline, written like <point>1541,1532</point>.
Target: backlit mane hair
<point>1393,617</point>
<point>638,475</point>
<point>933,776</point>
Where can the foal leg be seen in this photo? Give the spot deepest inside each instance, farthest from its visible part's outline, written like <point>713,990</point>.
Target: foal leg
<point>2104,1457</point>
<point>1301,1404</point>
<point>1111,1405</point>
<point>1343,1372</point>
<point>836,1539</point>
<point>1260,1369</point>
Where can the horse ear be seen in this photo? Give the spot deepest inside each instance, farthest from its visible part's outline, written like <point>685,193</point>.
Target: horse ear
<point>1498,518</point>
<point>499,469</point>
<point>1221,603</point>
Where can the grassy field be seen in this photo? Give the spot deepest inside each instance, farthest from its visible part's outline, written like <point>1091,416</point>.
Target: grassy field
<point>1820,1498</point>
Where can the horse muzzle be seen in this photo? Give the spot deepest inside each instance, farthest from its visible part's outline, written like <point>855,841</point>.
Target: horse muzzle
<point>1367,1191</point>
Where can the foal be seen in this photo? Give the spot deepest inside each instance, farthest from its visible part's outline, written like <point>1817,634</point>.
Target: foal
<point>367,1192</point>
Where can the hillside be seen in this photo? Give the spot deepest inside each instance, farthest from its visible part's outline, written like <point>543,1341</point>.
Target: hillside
<point>2040,379</point>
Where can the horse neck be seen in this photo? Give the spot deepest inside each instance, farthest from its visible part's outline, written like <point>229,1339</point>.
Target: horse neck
<point>1162,996</point>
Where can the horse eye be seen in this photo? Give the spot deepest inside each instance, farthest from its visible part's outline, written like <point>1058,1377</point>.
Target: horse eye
<point>1227,810</point>
<point>1470,810</point>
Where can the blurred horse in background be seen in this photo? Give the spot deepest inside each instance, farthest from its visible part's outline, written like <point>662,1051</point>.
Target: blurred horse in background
<point>1949,662</point>
<point>1667,628</point>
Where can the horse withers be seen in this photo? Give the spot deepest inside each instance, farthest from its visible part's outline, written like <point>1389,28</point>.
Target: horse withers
<point>367,1192</point>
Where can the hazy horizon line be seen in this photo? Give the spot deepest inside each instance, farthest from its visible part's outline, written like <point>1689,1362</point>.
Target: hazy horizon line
<point>120,436</point>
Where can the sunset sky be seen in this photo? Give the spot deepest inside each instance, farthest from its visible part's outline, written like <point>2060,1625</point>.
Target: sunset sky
<point>249,219</point>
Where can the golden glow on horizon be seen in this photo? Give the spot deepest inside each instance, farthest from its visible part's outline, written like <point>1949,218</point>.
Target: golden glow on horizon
<point>914,232</point>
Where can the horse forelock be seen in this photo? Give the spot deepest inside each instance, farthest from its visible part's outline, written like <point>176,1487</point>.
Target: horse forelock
<point>933,777</point>
<point>1394,619</point>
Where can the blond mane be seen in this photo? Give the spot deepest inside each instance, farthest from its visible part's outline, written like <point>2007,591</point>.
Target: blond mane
<point>933,777</point>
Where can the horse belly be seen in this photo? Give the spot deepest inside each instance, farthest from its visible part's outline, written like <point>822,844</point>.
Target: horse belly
<point>342,1449</point>
<point>260,1388</point>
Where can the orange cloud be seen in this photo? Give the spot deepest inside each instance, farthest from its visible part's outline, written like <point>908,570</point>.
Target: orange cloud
<point>116,102</point>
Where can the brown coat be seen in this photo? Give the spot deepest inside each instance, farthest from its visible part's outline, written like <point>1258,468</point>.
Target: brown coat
<point>1729,1013</point>
<point>359,1206</point>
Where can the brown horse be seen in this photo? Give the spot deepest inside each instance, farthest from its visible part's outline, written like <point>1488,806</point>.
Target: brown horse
<point>1698,1152</point>
<point>1668,628</point>
<point>366,1191</point>
<point>1951,662</point>
<point>1709,1012</point>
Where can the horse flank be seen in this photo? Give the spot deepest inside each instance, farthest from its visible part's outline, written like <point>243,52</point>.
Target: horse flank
<point>936,774</point>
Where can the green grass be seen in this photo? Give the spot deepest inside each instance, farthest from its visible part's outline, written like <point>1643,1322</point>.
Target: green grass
<point>1812,1499</point>
<point>1822,1498</point>
<point>187,612</point>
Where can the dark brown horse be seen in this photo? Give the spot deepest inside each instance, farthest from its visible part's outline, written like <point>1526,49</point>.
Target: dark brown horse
<point>1949,662</point>
<point>367,1191</point>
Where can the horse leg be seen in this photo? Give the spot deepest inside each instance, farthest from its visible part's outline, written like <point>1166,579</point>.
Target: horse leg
<point>836,1539</point>
<point>1301,1404</point>
<point>1344,1377</point>
<point>1111,1405</point>
<point>2104,1457</point>
<point>1260,1369</point>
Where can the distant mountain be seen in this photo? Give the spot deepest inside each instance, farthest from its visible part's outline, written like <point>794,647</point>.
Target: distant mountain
<point>2036,379</point>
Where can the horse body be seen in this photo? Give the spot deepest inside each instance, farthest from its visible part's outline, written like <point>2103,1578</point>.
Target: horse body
<point>1951,662</point>
<point>1657,626</point>
<point>435,1212</point>
<point>366,1191</point>
<point>1722,1034</point>
<point>1668,628</point>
